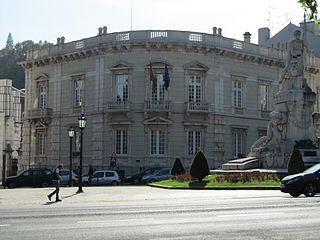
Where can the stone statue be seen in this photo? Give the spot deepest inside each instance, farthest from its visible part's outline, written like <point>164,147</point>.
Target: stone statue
<point>295,54</point>
<point>292,119</point>
<point>292,77</point>
<point>276,132</point>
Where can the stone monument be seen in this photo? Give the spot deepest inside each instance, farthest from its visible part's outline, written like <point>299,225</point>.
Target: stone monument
<point>292,119</point>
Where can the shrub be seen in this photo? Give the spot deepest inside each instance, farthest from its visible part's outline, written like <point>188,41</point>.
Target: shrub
<point>177,168</point>
<point>247,177</point>
<point>184,178</point>
<point>295,163</point>
<point>199,166</point>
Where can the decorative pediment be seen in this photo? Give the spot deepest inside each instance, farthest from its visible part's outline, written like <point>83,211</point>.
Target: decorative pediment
<point>42,77</point>
<point>40,125</point>
<point>121,65</point>
<point>158,63</point>
<point>196,66</point>
<point>157,121</point>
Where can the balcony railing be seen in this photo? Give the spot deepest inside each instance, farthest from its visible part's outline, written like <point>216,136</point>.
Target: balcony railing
<point>40,113</point>
<point>200,107</point>
<point>118,106</point>
<point>157,106</point>
<point>165,36</point>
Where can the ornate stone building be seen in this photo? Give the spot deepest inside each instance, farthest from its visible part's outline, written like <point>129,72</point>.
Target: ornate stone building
<point>218,99</point>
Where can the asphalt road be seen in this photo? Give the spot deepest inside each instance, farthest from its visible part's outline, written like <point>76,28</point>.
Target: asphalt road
<point>139,212</point>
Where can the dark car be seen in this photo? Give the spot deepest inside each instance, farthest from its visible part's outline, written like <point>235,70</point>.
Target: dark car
<point>39,177</point>
<point>136,178</point>
<point>159,175</point>
<point>307,182</point>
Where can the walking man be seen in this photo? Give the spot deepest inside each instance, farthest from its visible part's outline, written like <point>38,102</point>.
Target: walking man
<point>56,183</point>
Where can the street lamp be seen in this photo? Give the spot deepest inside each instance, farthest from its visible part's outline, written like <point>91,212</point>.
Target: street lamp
<point>71,135</point>
<point>82,124</point>
<point>6,152</point>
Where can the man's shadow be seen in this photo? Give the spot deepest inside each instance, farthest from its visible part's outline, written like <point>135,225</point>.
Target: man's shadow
<point>53,202</point>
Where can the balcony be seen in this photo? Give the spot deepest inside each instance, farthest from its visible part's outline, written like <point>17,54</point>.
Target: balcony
<point>40,113</point>
<point>157,106</point>
<point>197,107</point>
<point>118,106</point>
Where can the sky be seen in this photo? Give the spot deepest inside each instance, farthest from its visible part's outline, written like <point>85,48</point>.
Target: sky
<point>77,19</point>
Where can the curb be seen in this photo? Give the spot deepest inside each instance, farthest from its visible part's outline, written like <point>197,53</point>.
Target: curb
<point>215,188</point>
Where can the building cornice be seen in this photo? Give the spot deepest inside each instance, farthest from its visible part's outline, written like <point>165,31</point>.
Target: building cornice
<point>109,43</point>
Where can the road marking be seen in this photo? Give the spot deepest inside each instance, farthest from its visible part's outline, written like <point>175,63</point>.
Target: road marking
<point>116,220</point>
<point>250,214</point>
<point>4,225</point>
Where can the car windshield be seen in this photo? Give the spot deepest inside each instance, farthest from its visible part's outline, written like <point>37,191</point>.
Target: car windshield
<point>149,171</point>
<point>313,169</point>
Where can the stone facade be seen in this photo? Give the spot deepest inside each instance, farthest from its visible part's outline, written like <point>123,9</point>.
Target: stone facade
<point>11,108</point>
<point>219,98</point>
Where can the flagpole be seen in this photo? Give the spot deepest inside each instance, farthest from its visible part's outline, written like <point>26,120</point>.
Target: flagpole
<point>131,13</point>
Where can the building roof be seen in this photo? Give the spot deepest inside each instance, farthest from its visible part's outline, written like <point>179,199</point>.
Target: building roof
<point>286,34</point>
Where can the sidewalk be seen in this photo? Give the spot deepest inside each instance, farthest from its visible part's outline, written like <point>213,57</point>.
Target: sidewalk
<point>94,195</point>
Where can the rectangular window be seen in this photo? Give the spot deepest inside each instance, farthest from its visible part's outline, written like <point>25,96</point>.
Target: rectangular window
<point>195,88</point>
<point>157,142</point>
<point>122,88</point>
<point>238,143</point>
<point>194,142</point>
<point>78,92</point>
<point>264,97</point>
<point>41,143</point>
<point>237,94</point>
<point>42,96</point>
<point>121,142</point>
<point>158,92</point>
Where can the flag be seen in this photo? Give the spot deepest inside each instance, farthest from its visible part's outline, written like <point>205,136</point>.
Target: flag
<point>166,77</point>
<point>153,78</point>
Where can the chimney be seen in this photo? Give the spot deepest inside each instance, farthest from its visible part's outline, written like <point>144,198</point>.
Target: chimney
<point>263,36</point>
<point>247,37</point>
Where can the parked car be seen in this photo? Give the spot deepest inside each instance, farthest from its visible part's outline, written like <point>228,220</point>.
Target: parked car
<point>307,182</point>
<point>41,177</point>
<point>136,178</point>
<point>64,174</point>
<point>160,174</point>
<point>103,177</point>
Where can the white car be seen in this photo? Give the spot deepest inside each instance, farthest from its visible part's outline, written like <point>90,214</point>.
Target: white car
<point>64,174</point>
<point>103,177</point>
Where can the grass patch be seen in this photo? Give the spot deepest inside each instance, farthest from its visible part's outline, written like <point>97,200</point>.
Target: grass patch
<point>226,180</point>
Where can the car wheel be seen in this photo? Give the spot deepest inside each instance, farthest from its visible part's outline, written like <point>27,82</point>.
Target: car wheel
<point>310,189</point>
<point>294,194</point>
<point>114,183</point>
<point>152,180</point>
<point>11,185</point>
<point>85,183</point>
<point>135,181</point>
<point>45,184</point>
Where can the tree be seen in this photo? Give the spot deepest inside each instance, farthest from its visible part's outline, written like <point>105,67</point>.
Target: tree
<point>295,163</point>
<point>10,56</point>
<point>199,166</point>
<point>10,41</point>
<point>310,6</point>
<point>178,168</point>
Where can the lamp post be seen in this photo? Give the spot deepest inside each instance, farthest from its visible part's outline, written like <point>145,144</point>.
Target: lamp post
<point>71,135</point>
<point>6,152</point>
<point>82,124</point>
